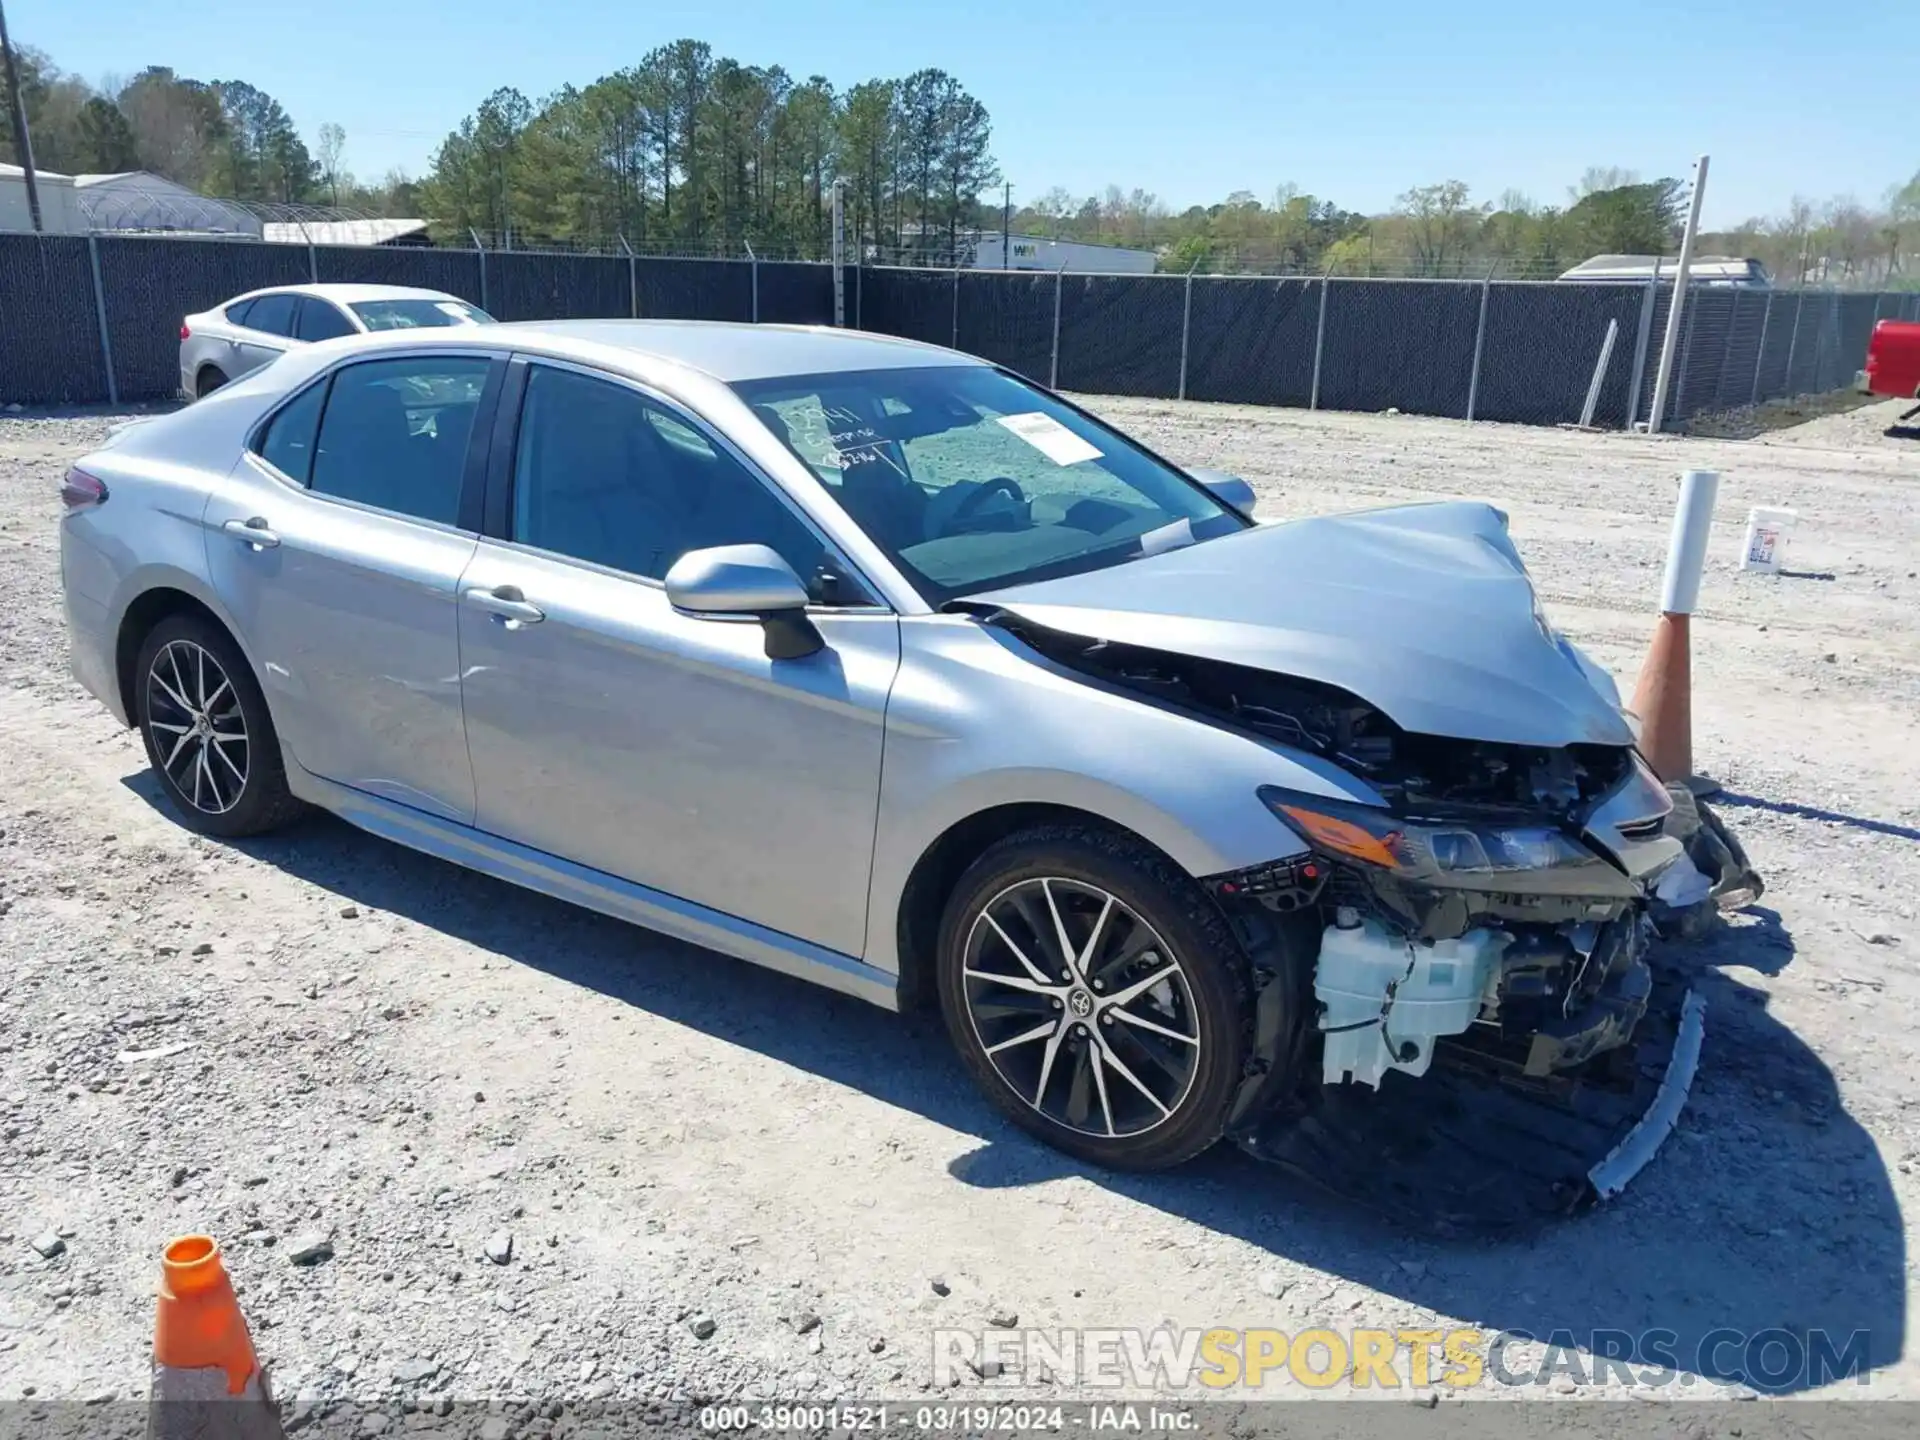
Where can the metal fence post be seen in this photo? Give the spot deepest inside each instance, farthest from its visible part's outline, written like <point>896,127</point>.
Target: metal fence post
<point>1640,344</point>
<point>753,270</point>
<point>839,243</point>
<point>475,234</point>
<point>1053,368</point>
<point>633,281</point>
<point>1760,352</point>
<point>1830,340</point>
<point>1726,352</point>
<point>1678,408</point>
<point>1793,340</point>
<point>1186,324</point>
<point>956,307</point>
<point>100,314</point>
<point>1819,354</point>
<point>1479,343</point>
<point>1319,343</point>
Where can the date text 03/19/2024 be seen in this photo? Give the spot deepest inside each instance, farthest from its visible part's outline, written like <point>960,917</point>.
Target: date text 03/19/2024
<point>1099,1418</point>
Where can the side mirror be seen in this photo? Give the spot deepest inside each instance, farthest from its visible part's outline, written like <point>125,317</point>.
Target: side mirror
<point>1229,490</point>
<point>742,582</point>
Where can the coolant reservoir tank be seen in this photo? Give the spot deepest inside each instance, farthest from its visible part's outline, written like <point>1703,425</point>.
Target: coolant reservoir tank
<point>1385,1000</point>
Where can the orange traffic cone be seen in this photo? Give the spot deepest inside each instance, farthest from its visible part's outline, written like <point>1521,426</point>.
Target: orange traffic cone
<point>1663,699</point>
<point>207,1382</point>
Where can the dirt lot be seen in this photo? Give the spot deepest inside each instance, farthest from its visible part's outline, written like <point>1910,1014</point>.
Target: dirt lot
<point>408,1060</point>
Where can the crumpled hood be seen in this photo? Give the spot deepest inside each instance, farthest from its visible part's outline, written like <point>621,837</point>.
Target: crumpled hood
<point>1423,611</point>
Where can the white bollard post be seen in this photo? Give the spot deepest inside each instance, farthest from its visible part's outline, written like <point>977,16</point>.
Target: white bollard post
<point>1687,547</point>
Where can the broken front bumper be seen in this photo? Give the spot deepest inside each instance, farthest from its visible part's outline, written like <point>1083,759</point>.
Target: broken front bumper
<point>1475,1146</point>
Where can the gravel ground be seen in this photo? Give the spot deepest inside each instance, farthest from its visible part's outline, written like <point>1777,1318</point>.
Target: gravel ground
<point>717,1182</point>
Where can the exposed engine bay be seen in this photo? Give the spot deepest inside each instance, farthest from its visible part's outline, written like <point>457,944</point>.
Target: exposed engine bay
<point>1497,914</point>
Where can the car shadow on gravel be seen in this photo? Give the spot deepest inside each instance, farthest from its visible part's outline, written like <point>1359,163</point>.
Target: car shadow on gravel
<point>1812,812</point>
<point>1765,1233</point>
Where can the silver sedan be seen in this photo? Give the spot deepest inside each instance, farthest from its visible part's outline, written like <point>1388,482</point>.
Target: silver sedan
<point>878,665</point>
<point>229,340</point>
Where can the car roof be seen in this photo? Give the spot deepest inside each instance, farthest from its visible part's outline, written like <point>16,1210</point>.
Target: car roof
<point>729,351</point>
<point>349,294</point>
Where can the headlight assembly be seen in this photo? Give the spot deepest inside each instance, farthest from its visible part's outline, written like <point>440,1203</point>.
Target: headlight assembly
<point>1518,857</point>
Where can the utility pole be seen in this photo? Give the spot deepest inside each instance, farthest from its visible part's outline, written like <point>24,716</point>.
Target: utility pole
<point>22,141</point>
<point>1664,376</point>
<point>1006,229</point>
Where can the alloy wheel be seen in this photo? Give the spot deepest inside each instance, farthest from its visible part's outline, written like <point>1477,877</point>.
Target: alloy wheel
<point>199,729</point>
<point>1081,1008</point>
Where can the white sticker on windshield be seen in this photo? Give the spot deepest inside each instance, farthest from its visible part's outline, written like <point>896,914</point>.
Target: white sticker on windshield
<point>458,312</point>
<point>1050,438</point>
<point>1176,536</point>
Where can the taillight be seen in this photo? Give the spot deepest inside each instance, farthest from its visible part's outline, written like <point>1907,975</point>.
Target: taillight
<point>185,333</point>
<point>81,491</point>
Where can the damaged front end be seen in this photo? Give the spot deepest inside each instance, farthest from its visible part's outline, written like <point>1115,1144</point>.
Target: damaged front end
<point>1512,929</point>
<point>1497,890</point>
<point>1494,912</point>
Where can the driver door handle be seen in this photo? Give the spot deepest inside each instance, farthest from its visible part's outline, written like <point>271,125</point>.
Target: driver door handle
<point>505,602</point>
<point>255,531</point>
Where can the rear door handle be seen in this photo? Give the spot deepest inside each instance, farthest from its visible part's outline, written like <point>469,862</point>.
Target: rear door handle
<point>506,603</point>
<point>255,531</point>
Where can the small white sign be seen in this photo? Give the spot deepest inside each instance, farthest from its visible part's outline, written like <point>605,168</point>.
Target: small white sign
<point>1050,438</point>
<point>1176,536</point>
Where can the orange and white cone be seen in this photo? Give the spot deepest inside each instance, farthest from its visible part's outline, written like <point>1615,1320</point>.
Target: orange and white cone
<point>1663,698</point>
<point>207,1381</point>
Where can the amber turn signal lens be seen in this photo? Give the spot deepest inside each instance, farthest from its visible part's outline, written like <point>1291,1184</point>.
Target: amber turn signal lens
<point>1343,837</point>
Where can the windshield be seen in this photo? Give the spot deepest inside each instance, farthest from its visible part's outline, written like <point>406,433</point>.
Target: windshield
<point>409,314</point>
<point>970,479</point>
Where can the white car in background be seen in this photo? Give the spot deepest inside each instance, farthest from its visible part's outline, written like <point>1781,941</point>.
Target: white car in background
<point>248,331</point>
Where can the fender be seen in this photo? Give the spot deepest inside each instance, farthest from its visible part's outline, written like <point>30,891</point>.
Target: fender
<point>1078,745</point>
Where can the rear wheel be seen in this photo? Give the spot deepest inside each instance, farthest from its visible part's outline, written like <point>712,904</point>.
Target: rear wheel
<point>210,379</point>
<point>1096,996</point>
<point>208,735</point>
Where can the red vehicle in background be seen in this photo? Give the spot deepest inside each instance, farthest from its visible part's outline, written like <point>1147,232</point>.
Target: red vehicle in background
<point>1893,362</point>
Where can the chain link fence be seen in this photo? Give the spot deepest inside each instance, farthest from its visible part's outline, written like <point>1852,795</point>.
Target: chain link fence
<point>85,319</point>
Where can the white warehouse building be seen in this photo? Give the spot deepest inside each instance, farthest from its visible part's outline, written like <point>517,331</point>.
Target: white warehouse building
<point>1037,252</point>
<point>60,212</point>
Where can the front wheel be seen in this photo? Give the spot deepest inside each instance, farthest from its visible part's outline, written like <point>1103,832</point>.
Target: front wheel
<point>1096,996</point>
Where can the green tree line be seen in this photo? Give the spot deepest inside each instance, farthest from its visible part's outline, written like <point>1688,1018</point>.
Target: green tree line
<point>220,137</point>
<point>1442,230</point>
<point>691,152</point>
<point>687,149</point>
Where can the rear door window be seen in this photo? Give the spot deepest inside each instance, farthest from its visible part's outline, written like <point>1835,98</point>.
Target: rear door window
<point>287,442</point>
<point>395,433</point>
<point>272,314</point>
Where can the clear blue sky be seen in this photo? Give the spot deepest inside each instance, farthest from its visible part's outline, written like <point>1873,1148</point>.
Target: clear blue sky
<point>1352,102</point>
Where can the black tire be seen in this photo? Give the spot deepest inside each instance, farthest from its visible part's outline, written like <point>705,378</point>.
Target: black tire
<point>210,379</point>
<point>216,784</point>
<point>1160,907</point>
